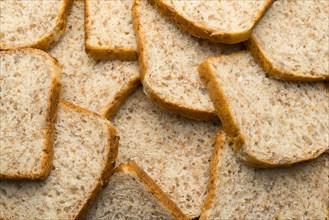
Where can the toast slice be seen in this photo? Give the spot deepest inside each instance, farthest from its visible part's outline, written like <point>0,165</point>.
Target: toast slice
<point>37,24</point>
<point>85,152</point>
<point>99,86</point>
<point>131,193</point>
<point>219,21</point>
<point>291,42</point>
<point>30,89</point>
<point>168,63</point>
<point>173,150</point>
<point>297,192</point>
<point>274,123</point>
<point>109,30</point>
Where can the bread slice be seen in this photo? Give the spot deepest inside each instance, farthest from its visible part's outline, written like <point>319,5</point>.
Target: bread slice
<point>37,24</point>
<point>237,191</point>
<point>109,30</point>
<point>85,151</point>
<point>30,89</point>
<point>168,63</point>
<point>132,194</point>
<point>99,86</point>
<point>219,21</point>
<point>274,123</point>
<point>173,150</point>
<point>291,42</point>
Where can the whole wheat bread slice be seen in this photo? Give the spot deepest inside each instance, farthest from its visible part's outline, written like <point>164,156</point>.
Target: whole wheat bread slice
<point>237,191</point>
<point>168,63</point>
<point>132,194</point>
<point>291,42</point>
<point>274,123</point>
<point>38,24</point>
<point>109,30</point>
<point>173,150</point>
<point>84,153</point>
<point>30,89</point>
<point>99,86</point>
<point>219,21</point>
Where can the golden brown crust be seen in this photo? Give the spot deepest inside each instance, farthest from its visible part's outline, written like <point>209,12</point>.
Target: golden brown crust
<point>101,53</point>
<point>202,31</point>
<point>153,188</point>
<point>52,105</point>
<point>49,40</point>
<point>152,95</point>
<point>112,152</point>
<point>259,55</point>
<point>211,186</point>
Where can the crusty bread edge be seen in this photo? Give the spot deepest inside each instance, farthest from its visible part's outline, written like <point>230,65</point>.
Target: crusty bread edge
<point>52,104</point>
<point>105,53</point>
<point>132,168</point>
<point>112,152</point>
<point>258,53</point>
<point>204,32</point>
<point>151,94</point>
<point>220,101</point>
<point>48,40</point>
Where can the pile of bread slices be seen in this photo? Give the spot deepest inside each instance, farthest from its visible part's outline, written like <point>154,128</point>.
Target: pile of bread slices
<point>164,109</point>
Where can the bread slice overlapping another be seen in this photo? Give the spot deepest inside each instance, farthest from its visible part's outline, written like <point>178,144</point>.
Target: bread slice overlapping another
<point>84,153</point>
<point>291,42</point>
<point>38,24</point>
<point>132,194</point>
<point>168,62</point>
<point>219,21</point>
<point>109,30</point>
<point>30,90</point>
<point>173,150</point>
<point>99,86</point>
<point>238,191</point>
<point>273,123</point>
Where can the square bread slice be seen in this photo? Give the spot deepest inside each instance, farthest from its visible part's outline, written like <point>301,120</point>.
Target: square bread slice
<point>168,62</point>
<point>38,23</point>
<point>291,42</point>
<point>219,21</point>
<point>99,86</point>
<point>173,150</point>
<point>109,30</point>
<point>274,123</point>
<point>237,191</point>
<point>84,153</point>
<point>30,90</point>
<point>132,194</point>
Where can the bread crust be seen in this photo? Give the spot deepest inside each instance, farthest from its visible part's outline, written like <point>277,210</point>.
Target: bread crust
<point>112,152</point>
<point>50,118</point>
<point>254,47</point>
<point>152,187</point>
<point>167,105</point>
<point>224,112</point>
<point>48,40</point>
<point>202,31</point>
<point>109,53</point>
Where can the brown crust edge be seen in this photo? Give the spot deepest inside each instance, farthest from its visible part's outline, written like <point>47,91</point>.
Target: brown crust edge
<point>214,173</point>
<point>151,94</point>
<point>52,105</point>
<point>259,55</point>
<point>152,187</point>
<point>202,31</point>
<point>106,53</point>
<point>50,39</point>
<point>112,152</point>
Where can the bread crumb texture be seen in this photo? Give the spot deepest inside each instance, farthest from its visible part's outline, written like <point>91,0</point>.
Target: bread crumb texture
<point>89,83</point>
<point>81,151</point>
<point>173,150</point>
